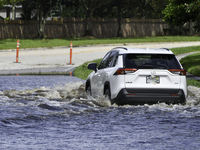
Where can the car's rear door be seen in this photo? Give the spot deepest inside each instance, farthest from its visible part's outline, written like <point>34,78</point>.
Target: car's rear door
<point>152,71</point>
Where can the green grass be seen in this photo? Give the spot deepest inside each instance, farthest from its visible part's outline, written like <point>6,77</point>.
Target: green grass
<point>34,43</point>
<point>191,64</point>
<point>82,71</point>
<point>182,50</point>
<point>193,82</point>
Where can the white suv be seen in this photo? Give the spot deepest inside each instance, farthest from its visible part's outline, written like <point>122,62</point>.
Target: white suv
<point>138,76</point>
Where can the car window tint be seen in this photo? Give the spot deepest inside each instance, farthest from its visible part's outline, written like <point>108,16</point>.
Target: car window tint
<point>109,60</point>
<point>151,61</point>
<point>112,59</point>
<point>115,60</point>
<point>104,61</point>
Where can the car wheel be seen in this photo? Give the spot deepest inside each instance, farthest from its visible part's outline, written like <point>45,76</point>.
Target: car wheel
<point>108,95</point>
<point>88,91</point>
<point>182,100</point>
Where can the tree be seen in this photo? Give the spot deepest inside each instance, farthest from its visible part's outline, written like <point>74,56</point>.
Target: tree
<point>109,9</point>
<point>28,7</point>
<point>1,3</point>
<point>136,9</point>
<point>73,8</point>
<point>89,9</point>
<point>43,9</point>
<point>157,6</point>
<point>180,12</point>
<point>123,9</point>
<point>38,10</point>
<point>10,2</point>
<point>90,6</point>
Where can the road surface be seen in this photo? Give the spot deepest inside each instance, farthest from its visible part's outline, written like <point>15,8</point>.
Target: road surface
<point>57,59</point>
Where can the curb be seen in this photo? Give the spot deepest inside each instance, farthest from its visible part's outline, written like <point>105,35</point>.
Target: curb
<point>40,71</point>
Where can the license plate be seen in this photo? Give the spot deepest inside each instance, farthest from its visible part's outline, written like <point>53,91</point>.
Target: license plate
<point>153,80</point>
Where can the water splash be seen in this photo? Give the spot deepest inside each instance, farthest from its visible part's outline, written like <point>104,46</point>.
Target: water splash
<point>73,93</point>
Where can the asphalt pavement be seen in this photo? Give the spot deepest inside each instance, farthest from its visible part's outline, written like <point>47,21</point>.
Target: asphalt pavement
<point>57,60</point>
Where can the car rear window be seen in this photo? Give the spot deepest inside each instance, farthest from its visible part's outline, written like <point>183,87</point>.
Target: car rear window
<point>151,61</point>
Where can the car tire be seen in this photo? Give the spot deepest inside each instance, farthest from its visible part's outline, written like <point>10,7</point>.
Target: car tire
<point>108,95</point>
<point>88,91</point>
<point>182,100</point>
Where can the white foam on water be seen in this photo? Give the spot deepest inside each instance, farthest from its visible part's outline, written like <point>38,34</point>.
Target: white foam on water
<point>193,96</point>
<point>74,92</point>
<point>105,102</point>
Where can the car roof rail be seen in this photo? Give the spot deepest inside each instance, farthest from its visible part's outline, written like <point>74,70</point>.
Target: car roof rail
<point>121,48</point>
<point>166,49</point>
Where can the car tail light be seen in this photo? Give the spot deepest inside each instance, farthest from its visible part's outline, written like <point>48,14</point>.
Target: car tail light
<point>123,71</point>
<point>181,72</point>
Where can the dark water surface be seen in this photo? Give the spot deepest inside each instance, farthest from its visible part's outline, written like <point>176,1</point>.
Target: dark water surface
<point>53,112</point>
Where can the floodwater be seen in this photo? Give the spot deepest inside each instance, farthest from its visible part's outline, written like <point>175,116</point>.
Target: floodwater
<point>53,112</point>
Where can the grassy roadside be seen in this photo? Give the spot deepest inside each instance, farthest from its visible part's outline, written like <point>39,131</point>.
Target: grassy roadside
<point>82,71</point>
<point>191,63</point>
<point>182,50</point>
<point>193,82</point>
<point>34,43</point>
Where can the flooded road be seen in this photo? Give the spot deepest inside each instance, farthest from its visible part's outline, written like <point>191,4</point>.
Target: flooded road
<point>53,112</point>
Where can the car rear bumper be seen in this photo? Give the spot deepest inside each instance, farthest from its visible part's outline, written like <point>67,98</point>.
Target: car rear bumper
<point>150,96</point>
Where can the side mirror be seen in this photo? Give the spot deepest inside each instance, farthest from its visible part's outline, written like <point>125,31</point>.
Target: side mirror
<point>92,66</point>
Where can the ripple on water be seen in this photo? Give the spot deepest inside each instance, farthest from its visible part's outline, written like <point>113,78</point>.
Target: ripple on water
<point>63,116</point>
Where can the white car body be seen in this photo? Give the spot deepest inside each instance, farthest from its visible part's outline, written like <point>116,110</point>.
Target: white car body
<point>138,76</point>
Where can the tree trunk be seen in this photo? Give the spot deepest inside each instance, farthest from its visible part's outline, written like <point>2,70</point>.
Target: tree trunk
<point>88,19</point>
<point>13,11</point>
<point>41,24</point>
<point>43,12</point>
<point>77,8</point>
<point>119,32</point>
<point>8,12</point>
<point>88,24</point>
